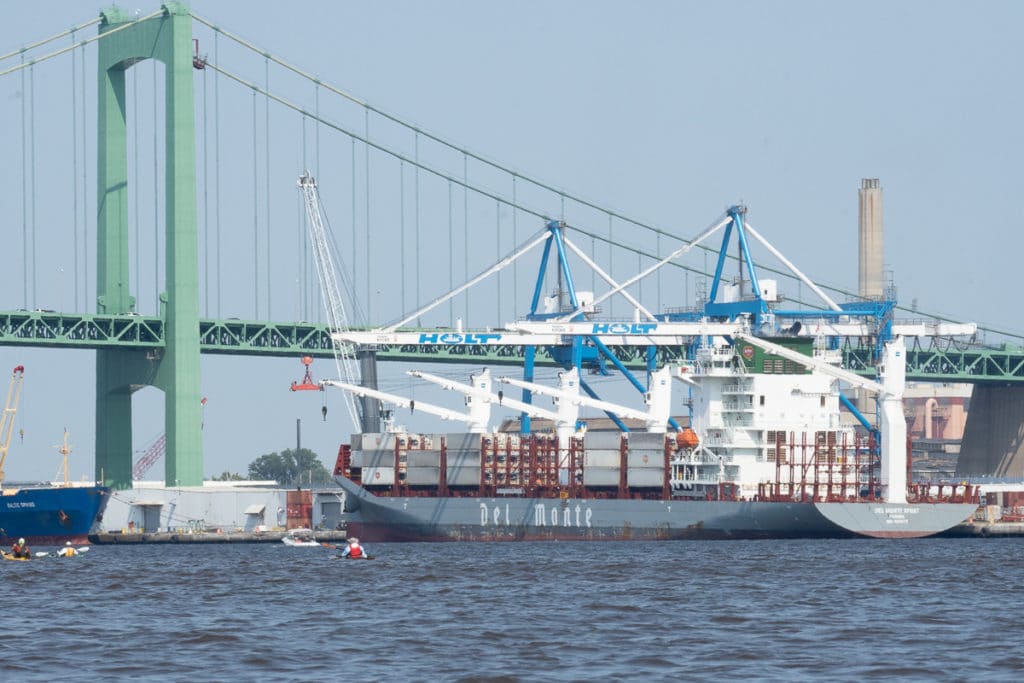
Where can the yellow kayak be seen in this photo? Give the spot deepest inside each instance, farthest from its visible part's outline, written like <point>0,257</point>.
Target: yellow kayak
<point>9,556</point>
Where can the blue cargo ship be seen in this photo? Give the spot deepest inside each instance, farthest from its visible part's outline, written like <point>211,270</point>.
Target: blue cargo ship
<point>44,514</point>
<point>51,515</point>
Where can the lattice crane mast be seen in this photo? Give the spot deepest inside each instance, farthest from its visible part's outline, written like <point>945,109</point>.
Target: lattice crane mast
<point>10,409</point>
<point>337,318</point>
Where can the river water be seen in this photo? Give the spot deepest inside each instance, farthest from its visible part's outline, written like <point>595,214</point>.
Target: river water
<point>850,610</point>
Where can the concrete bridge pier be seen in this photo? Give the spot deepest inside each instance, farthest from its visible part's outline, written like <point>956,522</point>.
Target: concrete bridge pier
<point>993,442</point>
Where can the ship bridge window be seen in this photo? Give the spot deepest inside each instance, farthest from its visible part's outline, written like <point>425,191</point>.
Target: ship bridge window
<point>762,400</point>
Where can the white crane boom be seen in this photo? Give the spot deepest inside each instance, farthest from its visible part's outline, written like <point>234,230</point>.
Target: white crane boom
<point>337,319</point>
<point>658,399</point>
<point>480,391</point>
<point>403,402</point>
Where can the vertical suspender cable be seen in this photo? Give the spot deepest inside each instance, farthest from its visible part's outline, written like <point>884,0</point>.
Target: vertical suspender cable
<point>255,210</point>
<point>640,282</point>
<point>156,194</point>
<point>593,273</point>
<point>419,250</point>
<point>465,230</point>
<point>24,192</point>
<point>216,159</point>
<point>515,241</point>
<point>206,201</point>
<point>658,252</point>
<point>355,256</point>
<point>135,186</point>
<point>611,270</point>
<point>74,161</point>
<point>300,283</point>
<point>401,224</point>
<point>316,103</point>
<point>32,165</point>
<point>305,233</point>
<point>85,197</point>
<point>266,117</point>
<point>497,255</point>
<point>451,259</point>
<point>366,147</point>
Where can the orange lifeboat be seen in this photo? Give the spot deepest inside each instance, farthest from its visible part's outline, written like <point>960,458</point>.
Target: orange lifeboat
<point>687,439</point>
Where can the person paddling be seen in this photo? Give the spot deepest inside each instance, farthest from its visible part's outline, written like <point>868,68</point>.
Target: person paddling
<point>20,550</point>
<point>67,551</point>
<point>354,551</point>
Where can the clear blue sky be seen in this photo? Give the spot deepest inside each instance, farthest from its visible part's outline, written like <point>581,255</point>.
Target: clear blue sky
<point>666,111</point>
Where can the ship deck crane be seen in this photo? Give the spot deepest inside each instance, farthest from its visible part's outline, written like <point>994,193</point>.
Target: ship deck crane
<point>480,397</point>
<point>337,318</point>
<point>402,402</point>
<point>658,398</point>
<point>10,410</point>
<point>890,401</point>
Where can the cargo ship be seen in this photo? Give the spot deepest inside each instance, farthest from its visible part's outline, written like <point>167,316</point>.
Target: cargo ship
<point>766,455</point>
<point>51,515</point>
<point>44,514</point>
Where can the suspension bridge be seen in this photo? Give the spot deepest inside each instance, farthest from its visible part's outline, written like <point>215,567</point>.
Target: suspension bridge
<point>185,233</point>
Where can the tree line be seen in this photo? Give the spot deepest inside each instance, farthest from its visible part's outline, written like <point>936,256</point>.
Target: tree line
<point>289,468</point>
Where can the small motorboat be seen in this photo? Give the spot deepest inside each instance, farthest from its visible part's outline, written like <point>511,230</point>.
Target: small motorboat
<point>300,538</point>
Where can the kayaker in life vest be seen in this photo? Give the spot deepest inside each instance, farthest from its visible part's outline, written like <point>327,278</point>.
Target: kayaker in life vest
<point>67,551</point>
<point>354,551</point>
<point>19,549</point>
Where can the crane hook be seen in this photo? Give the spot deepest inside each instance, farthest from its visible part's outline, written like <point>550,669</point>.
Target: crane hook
<point>323,411</point>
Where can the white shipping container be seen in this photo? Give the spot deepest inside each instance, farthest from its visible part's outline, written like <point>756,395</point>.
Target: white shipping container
<point>378,476</point>
<point>645,478</point>
<point>423,476</point>
<point>602,440</point>
<point>423,459</point>
<point>645,460</point>
<point>602,458</point>
<point>646,440</point>
<point>601,476</point>
<point>463,476</point>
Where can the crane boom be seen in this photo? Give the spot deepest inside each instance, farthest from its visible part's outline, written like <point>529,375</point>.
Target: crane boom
<point>402,402</point>
<point>10,409</point>
<point>337,318</point>
<point>658,398</point>
<point>484,394</point>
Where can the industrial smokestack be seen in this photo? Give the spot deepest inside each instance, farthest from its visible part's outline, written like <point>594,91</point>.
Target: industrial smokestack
<point>870,237</point>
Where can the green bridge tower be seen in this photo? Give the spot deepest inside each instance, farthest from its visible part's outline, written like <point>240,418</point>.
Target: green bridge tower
<point>167,38</point>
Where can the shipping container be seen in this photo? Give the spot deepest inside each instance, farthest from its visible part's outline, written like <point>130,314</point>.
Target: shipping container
<point>646,440</point>
<point>644,460</point>
<point>601,476</point>
<point>423,476</point>
<point>602,440</point>
<point>378,476</point>
<point>645,478</point>
<point>602,458</point>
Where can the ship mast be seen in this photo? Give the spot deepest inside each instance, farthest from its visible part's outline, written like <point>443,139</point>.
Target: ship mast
<point>64,449</point>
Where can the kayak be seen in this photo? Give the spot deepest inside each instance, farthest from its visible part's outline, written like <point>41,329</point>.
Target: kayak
<point>9,556</point>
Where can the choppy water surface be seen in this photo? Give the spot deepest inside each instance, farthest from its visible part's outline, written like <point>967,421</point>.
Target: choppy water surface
<point>928,610</point>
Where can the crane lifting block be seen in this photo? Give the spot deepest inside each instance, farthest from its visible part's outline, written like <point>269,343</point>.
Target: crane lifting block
<point>307,380</point>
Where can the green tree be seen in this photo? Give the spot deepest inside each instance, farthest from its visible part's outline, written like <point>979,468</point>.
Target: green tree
<point>290,468</point>
<point>228,476</point>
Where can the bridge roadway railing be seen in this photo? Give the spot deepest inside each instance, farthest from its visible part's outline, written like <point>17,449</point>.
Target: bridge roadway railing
<point>40,328</point>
